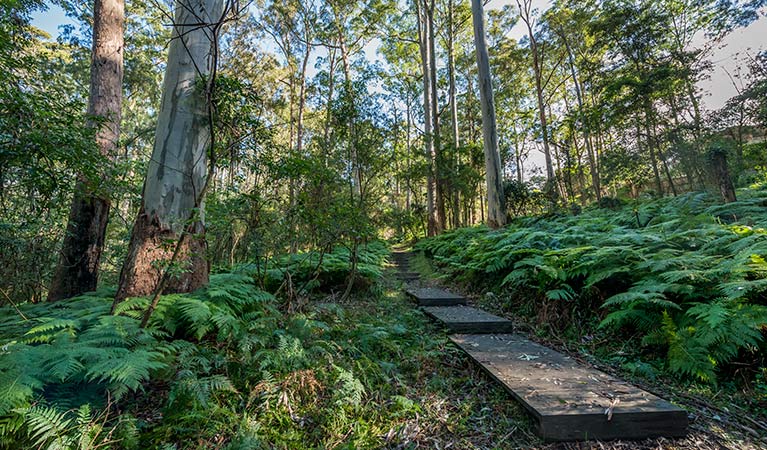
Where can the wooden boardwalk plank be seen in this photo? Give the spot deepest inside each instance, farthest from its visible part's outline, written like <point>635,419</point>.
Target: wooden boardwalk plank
<point>435,297</point>
<point>409,276</point>
<point>569,400</point>
<point>466,319</point>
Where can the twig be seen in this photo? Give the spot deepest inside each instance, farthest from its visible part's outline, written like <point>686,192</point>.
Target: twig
<point>14,305</point>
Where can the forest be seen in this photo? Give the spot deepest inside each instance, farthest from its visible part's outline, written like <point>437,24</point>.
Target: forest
<point>199,201</point>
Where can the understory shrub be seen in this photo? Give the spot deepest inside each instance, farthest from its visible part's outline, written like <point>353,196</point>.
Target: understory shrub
<point>687,273</point>
<point>74,376</point>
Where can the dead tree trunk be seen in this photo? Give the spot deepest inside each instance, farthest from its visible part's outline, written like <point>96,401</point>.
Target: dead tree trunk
<point>78,266</point>
<point>496,212</point>
<point>172,204</point>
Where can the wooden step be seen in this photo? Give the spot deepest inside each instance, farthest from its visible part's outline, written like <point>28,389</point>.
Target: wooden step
<point>408,276</point>
<point>466,319</point>
<point>435,297</point>
<point>571,401</point>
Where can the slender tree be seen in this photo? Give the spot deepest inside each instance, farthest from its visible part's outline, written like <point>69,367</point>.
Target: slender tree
<point>453,107</point>
<point>428,123</point>
<point>496,212</point>
<point>525,13</point>
<point>78,266</point>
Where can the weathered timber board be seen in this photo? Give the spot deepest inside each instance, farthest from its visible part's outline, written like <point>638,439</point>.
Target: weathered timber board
<point>568,399</point>
<point>466,319</point>
<point>408,275</point>
<point>435,297</point>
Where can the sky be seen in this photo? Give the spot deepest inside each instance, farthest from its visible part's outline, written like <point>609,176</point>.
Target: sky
<point>729,59</point>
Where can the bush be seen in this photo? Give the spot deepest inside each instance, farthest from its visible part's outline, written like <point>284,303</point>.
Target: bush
<point>692,286</point>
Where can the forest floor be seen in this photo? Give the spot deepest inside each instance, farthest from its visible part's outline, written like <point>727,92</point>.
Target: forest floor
<point>717,420</point>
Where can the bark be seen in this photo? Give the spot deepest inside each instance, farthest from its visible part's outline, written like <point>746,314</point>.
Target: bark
<point>496,212</point>
<point>438,163</point>
<point>722,175</point>
<point>427,120</point>
<point>596,185</point>
<point>407,138</point>
<point>78,267</point>
<point>353,157</point>
<point>453,111</point>
<point>172,203</point>
<point>302,100</point>
<point>538,75</point>
<point>653,161</point>
<point>329,104</point>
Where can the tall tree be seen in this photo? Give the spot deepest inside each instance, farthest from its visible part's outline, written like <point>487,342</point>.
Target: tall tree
<point>78,266</point>
<point>537,53</point>
<point>439,163</point>
<point>496,212</point>
<point>177,176</point>
<point>451,29</point>
<point>433,227</point>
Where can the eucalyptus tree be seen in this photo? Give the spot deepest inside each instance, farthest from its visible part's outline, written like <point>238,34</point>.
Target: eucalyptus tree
<point>350,26</point>
<point>425,10</point>
<point>569,25</point>
<point>178,173</point>
<point>402,82</point>
<point>538,55</point>
<point>78,267</point>
<point>496,212</point>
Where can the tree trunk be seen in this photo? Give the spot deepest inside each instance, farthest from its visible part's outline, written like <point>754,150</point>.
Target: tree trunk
<point>407,138</point>
<point>427,120</point>
<point>172,203</point>
<point>78,267</point>
<point>496,212</point>
<point>584,122</point>
<point>302,100</point>
<point>651,149</point>
<point>722,175</point>
<point>538,75</point>
<point>439,164</point>
<point>453,112</point>
<point>349,89</point>
<point>329,105</point>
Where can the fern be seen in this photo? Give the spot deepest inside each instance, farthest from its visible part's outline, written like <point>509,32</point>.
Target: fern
<point>673,269</point>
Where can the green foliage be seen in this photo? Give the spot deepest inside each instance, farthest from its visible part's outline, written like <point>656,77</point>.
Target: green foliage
<point>72,354</point>
<point>224,367</point>
<point>686,273</point>
<point>309,271</point>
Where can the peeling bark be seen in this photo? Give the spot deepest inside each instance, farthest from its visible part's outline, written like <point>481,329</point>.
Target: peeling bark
<point>496,211</point>
<point>172,205</point>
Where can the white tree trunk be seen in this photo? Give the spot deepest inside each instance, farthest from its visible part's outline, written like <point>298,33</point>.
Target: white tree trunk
<point>178,166</point>
<point>178,169</point>
<point>496,212</point>
<point>427,118</point>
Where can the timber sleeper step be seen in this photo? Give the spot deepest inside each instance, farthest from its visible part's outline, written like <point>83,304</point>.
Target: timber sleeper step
<point>571,401</point>
<point>467,319</point>
<point>435,297</point>
<point>408,276</point>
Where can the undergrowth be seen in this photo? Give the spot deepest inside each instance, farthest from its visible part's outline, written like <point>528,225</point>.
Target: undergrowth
<point>228,367</point>
<point>687,275</point>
